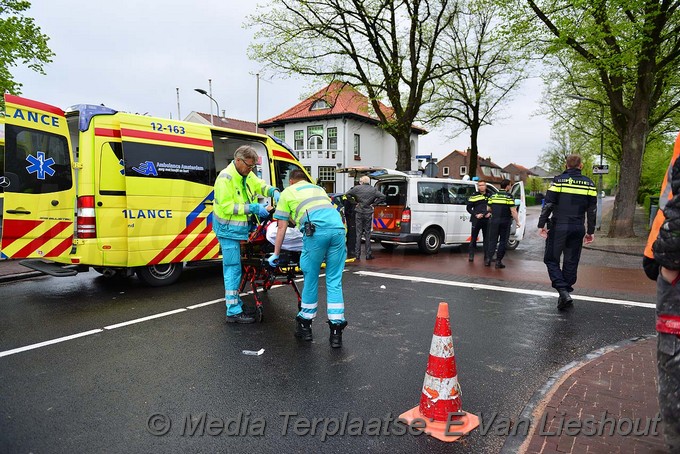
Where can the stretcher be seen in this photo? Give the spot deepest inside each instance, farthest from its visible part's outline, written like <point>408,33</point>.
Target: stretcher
<point>257,272</point>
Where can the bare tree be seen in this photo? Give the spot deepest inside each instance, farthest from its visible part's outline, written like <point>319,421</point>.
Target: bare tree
<point>490,70</point>
<point>390,48</point>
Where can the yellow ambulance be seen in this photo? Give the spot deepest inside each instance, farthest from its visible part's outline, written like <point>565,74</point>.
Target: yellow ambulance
<point>118,192</point>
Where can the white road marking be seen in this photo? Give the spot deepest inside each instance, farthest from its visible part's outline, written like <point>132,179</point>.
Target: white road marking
<point>127,323</point>
<point>49,342</point>
<point>498,288</point>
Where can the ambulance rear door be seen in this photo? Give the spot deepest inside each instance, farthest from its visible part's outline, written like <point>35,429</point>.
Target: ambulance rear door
<point>39,181</point>
<point>169,174</point>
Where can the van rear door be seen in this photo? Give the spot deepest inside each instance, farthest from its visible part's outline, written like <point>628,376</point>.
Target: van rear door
<point>518,194</point>
<point>39,180</point>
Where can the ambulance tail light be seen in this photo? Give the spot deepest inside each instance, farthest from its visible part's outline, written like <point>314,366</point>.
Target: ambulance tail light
<point>86,227</point>
<point>406,215</point>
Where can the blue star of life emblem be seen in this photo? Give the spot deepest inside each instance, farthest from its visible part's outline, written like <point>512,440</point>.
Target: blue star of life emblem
<point>39,165</point>
<point>122,163</point>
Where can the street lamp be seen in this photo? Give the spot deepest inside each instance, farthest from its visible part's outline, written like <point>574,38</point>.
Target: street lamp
<point>598,222</point>
<point>203,92</point>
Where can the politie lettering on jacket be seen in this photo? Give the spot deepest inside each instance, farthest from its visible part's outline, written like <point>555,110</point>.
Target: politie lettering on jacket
<point>147,214</point>
<point>35,117</point>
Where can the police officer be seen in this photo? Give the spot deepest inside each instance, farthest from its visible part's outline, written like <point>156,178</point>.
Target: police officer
<point>501,205</point>
<point>310,208</point>
<point>570,196</point>
<point>236,190</point>
<point>366,196</point>
<point>477,205</point>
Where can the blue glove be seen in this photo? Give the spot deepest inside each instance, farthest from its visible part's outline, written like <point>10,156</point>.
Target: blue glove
<point>273,260</point>
<point>259,210</point>
<point>263,212</point>
<point>277,196</point>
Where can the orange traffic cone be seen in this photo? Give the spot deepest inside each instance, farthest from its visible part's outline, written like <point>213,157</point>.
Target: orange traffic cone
<point>440,397</point>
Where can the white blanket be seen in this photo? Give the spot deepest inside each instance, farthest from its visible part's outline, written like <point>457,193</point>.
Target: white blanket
<point>291,242</point>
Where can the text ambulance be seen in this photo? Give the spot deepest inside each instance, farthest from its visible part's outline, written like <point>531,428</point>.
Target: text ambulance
<point>122,193</point>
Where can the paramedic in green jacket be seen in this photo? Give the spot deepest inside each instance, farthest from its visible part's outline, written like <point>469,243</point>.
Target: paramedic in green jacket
<point>235,205</point>
<point>310,208</point>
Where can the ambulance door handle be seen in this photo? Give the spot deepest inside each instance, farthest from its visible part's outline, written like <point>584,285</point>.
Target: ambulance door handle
<point>207,203</point>
<point>55,203</point>
<point>18,212</point>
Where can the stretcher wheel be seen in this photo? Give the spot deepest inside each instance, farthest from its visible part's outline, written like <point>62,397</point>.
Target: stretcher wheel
<point>259,314</point>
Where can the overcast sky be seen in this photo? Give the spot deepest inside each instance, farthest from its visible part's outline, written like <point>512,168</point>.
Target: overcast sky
<point>131,55</point>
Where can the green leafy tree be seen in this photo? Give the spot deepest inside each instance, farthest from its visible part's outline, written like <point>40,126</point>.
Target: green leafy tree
<point>621,53</point>
<point>21,43</point>
<point>389,48</point>
<point>490,69</point>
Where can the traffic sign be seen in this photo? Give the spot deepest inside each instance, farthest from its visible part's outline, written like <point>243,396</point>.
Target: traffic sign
<point>600,169</point>
<point>431,170</point>
<point>424,156</point>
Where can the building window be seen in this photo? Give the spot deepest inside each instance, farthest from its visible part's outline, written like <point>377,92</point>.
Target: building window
<point>327,178</point>
<point>496,172</point>
<point>357,147</point>
<point>308,169</point>
<point>315,137</point>
<point>320,104</point>
<point>332,134</point>
<point>516,177</point>
<point>299,139</point>
<point>486,171</point>
<point>280,134</point>
<point>445,171</point>
<point>463,170</point>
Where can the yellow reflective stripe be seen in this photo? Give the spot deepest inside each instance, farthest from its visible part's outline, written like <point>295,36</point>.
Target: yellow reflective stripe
<point>476,198</point>
<point>579,191</point>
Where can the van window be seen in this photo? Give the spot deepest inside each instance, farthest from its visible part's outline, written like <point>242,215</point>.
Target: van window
<point>39,163</point>
<point>225,145</point>
<point>460,193</point>
<point>430,192</point>
<point>283,169</point>
<point>395,192</point>
<point>163,161</point>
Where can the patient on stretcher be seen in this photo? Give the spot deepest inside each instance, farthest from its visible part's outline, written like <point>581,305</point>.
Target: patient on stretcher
<point>292,240</point>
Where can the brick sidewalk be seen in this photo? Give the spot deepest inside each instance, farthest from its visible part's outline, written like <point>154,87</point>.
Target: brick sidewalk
<point>621,382</point>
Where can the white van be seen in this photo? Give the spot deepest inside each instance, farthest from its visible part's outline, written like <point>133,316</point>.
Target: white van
<point>430,212</point>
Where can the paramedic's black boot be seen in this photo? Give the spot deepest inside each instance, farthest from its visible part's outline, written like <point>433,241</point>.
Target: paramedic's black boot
<point>487,261</point>
<point>303,328</point>
<point>564,301</point>
<point>500,264</point>
<point>240,318</point>
<point>336,333</point>
<point>471,256</point>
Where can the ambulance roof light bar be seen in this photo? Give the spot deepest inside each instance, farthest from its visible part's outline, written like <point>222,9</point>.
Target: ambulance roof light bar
<point>87,111</point>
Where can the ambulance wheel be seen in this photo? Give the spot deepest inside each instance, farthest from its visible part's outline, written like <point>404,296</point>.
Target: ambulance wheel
<point>430,241</point>
<point>388,246</point>
<point>259,314</point>
<point>511,245</point>
<point>160,275</point>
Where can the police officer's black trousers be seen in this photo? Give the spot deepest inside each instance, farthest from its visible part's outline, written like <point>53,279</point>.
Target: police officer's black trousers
<point>563,245</point>
<point>498,236</point>
<point>478,225</point>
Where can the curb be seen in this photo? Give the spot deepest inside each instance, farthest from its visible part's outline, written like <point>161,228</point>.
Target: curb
<point>513,444</point>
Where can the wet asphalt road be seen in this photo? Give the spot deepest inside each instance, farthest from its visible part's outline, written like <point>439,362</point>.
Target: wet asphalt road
<point>97,393</point>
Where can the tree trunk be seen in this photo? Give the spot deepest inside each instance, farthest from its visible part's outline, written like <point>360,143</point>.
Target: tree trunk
<point>403,151</point>
<point>633,147</point>
<point>474,150</point>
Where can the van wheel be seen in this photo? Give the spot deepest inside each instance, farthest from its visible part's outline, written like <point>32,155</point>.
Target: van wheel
<point>160,275</point>
<point>511,245</point>
<point>388,246</point>
<point>430,242</point>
